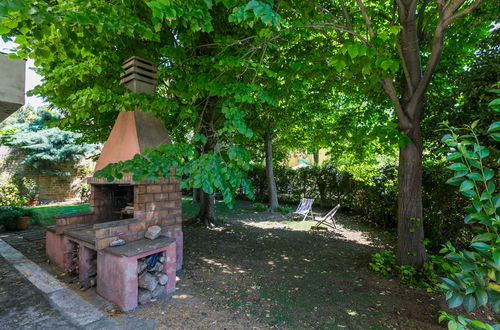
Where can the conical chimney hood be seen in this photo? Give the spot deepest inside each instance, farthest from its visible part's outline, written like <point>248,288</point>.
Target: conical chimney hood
<point>134,130</point>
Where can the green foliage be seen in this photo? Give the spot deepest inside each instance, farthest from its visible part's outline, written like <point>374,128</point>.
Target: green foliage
<point>284,209</point>
<point>45,215</point>
<point>10,195</point>
<point>85,192</point>
<point>427,277</point>
<point>210,171</point>
<point>384,263</point>
<point>9,214</point>
<point>43,147</point>
<point>259,207</point>
<point>463,323</point>
<point>477,281</point>
<point>28,188</point>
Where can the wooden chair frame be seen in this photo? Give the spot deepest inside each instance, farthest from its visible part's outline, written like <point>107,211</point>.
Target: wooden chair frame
<point>329,217</point>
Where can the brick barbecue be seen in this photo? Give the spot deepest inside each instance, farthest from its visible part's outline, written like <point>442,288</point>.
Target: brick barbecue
<point>124,210</point>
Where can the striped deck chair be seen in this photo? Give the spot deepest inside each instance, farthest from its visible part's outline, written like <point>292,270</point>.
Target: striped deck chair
<point>328,219</point>
<point>304,208</point>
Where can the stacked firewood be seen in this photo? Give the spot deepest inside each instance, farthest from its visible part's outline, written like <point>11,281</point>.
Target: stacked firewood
<point>128,211</point>
<point>152,280</point>
<point>74,268</point>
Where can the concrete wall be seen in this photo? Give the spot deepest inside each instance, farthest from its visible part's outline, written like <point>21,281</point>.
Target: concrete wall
<point>11,85</point>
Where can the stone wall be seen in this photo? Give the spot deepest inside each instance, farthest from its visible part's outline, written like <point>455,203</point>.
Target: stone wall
<point>53,188</point>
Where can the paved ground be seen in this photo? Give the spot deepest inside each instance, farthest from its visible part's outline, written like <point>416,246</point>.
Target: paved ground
<point>23,306</point>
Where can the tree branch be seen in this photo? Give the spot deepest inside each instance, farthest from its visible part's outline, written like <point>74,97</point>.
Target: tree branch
<point>339,28</point>
<point>437,45</point>
<point>346,14</point>
<point>388,86</point>
<point>324,10</point>
<point>368,22</point>
<point>465,11</point>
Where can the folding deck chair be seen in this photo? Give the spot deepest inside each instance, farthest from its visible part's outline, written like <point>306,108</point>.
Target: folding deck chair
<point>328,218</point>
<point>304,208</point>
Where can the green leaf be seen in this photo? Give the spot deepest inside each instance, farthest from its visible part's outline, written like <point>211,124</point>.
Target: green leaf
<point>475,163</point>
<point>494,127</point>
<point>481,297</point>
<point>476,176</point>
<point>483,152</point>
<point>488,174</point>
<point>485,237</point>
<point>455,181</point>
<point>481,246</point>
<point>458,167</point>
<point>455,300</point>
<point>469,302</point>
<point>451,284</point>
<point>496,257</point>
<point>466,185</point>
<point>340,65</point>
<point>469,193</point>
<point>453,155</point>
<point>353,51</point>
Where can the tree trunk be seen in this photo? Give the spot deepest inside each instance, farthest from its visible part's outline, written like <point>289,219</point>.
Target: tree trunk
<point>410,248</point>
<point>207,208</point>
<point>271,183</point>
<point>316,158</point>
<point>207,201</point>
<point>196,195</point>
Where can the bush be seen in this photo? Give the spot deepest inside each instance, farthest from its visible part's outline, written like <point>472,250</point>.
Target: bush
<point>284,209</point>
<point>427,277</point>
<point>9,214</point>
<point>9,195</point>
<point>259,207</point>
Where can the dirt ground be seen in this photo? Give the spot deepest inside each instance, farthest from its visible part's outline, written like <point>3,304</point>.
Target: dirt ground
<point>262,271</point>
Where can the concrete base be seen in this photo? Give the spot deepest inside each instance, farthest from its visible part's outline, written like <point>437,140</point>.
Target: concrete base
<point>117,278</point>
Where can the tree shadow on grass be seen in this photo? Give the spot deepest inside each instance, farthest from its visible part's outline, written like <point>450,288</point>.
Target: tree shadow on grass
<point>301,279</point>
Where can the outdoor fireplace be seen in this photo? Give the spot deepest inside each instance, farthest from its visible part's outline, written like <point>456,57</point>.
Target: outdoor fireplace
<point>123,210</point>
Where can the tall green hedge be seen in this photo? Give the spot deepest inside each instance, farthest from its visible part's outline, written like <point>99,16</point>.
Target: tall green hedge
<point>375,199</point>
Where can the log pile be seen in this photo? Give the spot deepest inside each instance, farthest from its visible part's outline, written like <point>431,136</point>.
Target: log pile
<point>74,268</point>
<point>152,280</point>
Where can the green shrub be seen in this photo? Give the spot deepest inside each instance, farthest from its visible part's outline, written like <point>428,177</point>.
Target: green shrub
<point>9,195</point>
<point>85,192</point>
<point>284,209</point>
<point>476,283</point>
<point>9,214</point>
<point>259,207</point>
<point>385,263</point>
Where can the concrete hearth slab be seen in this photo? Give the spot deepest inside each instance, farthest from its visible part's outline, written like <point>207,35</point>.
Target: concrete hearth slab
<point>78,311</point>
<point>140,246</point>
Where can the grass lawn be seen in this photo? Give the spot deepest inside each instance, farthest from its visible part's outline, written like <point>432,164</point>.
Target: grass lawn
<point>45,215</point>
